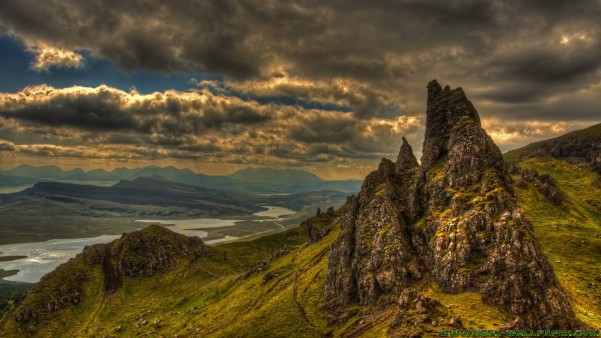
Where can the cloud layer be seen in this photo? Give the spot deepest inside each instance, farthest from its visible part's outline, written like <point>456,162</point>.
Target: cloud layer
<point>302,81</point>
<point>532,41</point>
<point>197,124</point>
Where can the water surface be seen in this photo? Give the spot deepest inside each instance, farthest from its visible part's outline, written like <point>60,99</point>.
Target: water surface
<point>189,227</point>
<point>43,257</point>
<point>275,212</point>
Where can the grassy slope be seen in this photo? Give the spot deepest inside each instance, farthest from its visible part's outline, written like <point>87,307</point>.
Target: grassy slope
<point>514,155</point>
<point>182,300</point>
<point>8,290</point>
<point>212,297</point>
<point>571,238</point>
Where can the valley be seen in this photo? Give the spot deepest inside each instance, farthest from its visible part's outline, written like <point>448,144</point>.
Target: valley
<point>47,224</point>
<point>76,210</point>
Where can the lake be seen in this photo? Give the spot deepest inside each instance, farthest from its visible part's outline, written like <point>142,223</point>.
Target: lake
<point>43,257</point>
<point>188,226</point>
<point>275,212</point>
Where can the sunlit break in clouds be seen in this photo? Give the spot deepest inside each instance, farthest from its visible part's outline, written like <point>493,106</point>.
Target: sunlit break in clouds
<point>326,86</point>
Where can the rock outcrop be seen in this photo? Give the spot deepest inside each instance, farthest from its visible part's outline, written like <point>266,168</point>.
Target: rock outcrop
<point>405,160</point>
<point>415,311</point>
<point>454,220</point>
<point>444,109</point>
<point>545,184</point>
<point>319,225</point>
<point>145,252</point>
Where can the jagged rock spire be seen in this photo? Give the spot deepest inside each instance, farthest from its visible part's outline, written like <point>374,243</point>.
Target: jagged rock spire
<point>445,108</point>
<point>405,160</point>
<point>457,223</point>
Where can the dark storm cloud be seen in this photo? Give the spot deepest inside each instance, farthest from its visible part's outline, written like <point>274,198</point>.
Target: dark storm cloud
<point>109,109</point>
<point>105,122</point>
<point>363,100</point>
<point>316,129</point>
<point>545,65</point>
<point>389,49</point>
<point>93,110</point>
<point>535,62</point>
<point>245,38</point>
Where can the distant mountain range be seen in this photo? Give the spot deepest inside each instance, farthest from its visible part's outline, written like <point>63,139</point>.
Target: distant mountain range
<point>156,191</point>
<point>250,180</point>
<point>142,191</point>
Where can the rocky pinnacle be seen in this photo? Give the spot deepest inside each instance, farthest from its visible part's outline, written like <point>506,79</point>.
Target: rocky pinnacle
<point>454,221</point>
<point>405,160</point>
<point>444,109</point>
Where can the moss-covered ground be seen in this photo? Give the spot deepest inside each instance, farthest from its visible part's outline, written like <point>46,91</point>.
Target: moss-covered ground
<point>570,236</point>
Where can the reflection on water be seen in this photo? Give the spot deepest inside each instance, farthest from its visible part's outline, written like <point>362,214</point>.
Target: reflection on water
<point>43,257</point>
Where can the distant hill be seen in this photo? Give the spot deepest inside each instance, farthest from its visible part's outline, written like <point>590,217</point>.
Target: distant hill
<point>43,172</point>
<point>250,180</point>
<point>269,175</point>
<point>585,144</point>
<point>76,210</point>
<point>143,191</point>
<point>9,180</point>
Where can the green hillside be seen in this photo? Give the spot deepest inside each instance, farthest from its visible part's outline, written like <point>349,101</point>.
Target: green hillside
<point>570,234</point>
<point>462,240</point>
<point>217,297</point>
<point>577,143</point>
<point>235,296</point>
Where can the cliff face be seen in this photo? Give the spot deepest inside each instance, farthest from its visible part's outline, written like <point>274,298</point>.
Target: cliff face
<point>454,220</point>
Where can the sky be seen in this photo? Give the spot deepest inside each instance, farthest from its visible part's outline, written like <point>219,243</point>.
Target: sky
<point>327,86</point>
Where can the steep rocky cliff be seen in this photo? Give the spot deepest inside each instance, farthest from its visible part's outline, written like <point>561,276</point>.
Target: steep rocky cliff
<point>454,221</point>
